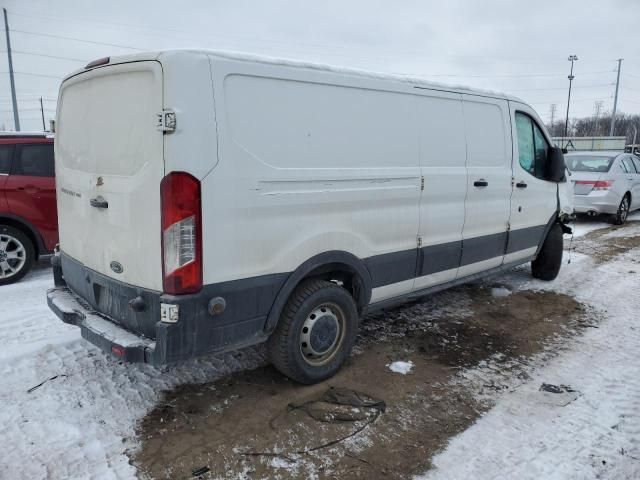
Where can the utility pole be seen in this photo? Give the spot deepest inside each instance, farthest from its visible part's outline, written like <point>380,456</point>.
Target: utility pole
<point>553,116</point>
<point>598,108</point>
<point>572,58</point>
<point>615,100</point>
<point>16,117</point>
<point>44,127</point>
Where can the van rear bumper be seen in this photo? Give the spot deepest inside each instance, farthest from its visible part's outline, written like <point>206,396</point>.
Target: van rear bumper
<point>103,333</point>
<point>103,308</point>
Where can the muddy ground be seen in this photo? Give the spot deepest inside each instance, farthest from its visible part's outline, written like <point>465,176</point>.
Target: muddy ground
<point>237,425</point>
<point>260,425</point>
<point>605,243</point>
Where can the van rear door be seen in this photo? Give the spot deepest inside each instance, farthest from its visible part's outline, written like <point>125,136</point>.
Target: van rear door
<point>109,164</point>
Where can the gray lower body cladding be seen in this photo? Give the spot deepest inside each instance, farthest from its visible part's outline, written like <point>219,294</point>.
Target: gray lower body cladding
<point>195,333</point>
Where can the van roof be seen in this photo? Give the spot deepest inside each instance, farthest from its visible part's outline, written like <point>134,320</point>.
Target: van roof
<point>416,81</point>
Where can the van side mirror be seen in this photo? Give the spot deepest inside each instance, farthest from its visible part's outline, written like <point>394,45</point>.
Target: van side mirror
<point>556,166</point>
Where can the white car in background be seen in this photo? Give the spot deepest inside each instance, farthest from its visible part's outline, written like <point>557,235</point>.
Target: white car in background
<point>605,183</point>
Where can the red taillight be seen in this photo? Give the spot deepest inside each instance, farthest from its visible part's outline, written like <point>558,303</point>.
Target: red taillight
<point>181,234</point>
<point>596,184</point>
<point>117,350</point>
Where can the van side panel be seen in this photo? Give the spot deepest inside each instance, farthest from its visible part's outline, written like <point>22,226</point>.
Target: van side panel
<point>443,163</point>
<point>308,166</point>
<point>487,207</point>
<point>188,90</point>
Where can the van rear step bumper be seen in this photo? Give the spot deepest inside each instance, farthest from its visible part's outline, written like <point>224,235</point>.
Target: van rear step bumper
<point>103,333</point>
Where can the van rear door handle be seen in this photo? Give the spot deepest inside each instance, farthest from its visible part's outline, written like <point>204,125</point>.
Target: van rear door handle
<point>481,183</point>
<point>521,185</point>
<point>99,202</point>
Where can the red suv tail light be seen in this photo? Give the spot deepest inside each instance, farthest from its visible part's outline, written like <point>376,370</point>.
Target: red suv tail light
<point>181,234</point>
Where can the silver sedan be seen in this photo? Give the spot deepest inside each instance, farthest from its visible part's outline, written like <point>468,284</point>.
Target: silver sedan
<point>605,183</point>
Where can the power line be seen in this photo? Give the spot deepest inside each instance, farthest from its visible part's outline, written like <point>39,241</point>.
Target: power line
<point>36,74</point>
<point>262,41</point>
<point>521,75</point>
<point>22,52</point>
<point>544,102</point>
<point>561,88</point>
<point>61,37</point>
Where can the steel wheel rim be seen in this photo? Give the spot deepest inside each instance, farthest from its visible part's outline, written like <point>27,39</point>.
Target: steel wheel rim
<point>322,334</point>
<point>624,209</point>
<point>13,256</point>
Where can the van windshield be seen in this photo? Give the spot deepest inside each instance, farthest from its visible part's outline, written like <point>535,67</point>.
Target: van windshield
<point>588,163</point>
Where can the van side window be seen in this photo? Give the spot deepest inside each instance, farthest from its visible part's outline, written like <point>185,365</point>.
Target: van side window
<point>34,161</point>
<point>526,151</point>
<point>533,148</point>
<point>6,152</point>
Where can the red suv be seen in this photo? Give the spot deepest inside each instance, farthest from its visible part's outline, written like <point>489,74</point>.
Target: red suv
<point>28,216</point>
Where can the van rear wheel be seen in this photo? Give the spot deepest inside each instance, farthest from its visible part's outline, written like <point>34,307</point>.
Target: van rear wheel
<point>316,332</point>
<point>547,264</point>
<point>16,254</point>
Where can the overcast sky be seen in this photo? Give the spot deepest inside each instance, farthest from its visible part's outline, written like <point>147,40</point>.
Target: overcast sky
<point>517,47</point>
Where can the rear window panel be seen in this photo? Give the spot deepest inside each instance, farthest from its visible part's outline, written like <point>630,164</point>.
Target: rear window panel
<point>589,163</point>
<point>6,153</point>
<point>34,161</point>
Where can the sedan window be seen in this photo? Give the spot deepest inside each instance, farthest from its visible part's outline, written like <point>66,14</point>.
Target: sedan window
<point>627,165</point>
<point>588,163</point>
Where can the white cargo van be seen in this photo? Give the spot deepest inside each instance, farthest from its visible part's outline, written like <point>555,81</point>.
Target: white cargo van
<point>209,201</point>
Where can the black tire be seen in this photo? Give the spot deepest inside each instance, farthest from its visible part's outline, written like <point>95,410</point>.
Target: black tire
<point>291,346</point>
<point>547,264</point>
<point>18,244</point>
<point>623,210</point>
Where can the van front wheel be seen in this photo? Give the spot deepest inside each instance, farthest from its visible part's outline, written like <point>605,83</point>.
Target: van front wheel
<point>315,333</point>
<point>547,264</point>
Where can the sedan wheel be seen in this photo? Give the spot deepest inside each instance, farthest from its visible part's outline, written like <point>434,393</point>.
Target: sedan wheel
<point>623,211</point>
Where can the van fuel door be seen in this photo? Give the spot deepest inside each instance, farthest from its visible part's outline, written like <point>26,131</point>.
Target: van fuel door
<point>166,121</point>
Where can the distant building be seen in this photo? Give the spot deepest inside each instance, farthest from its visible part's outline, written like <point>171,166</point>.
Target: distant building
<point>591,143</point>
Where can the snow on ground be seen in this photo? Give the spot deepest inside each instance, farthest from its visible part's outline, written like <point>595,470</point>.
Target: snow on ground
<point>78,424</point>
<point>81,420</point>
<point>587,224</point>
<point>593,432</point>
<point>400,367</point>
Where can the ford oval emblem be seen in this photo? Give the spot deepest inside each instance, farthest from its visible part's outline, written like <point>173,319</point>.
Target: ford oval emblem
<point>116,267</point>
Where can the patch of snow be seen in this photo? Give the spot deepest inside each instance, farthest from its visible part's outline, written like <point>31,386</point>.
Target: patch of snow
<point>584,225</point>
<point>80,424</point>
<point>401,367</point>
<point>589,432</point>
<point>500,292</point>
